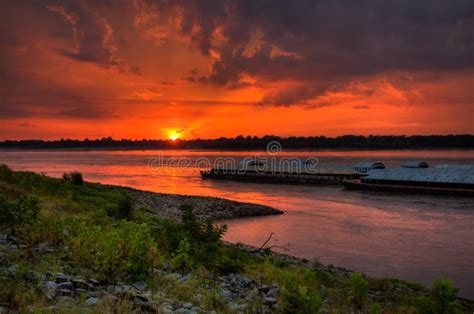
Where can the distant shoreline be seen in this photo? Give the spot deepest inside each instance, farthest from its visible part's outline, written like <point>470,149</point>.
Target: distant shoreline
<point>84,149</point>
<point>345,142</point>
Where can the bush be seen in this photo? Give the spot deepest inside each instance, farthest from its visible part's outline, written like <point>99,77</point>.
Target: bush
<point>127,248</point>
<point>15,213</point>
<point>73,177</point>
<point>204,241</point>
<point>47,228</point>
<point>444,296</point>
<point>359,291</point>
<point>6,174</point>
<point>125,207</point>
<point>296,298</point>
<point>182,260</point>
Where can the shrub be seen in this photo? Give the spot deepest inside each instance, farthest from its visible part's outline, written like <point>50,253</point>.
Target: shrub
<point>359,291</point>
<point>109,255</point>
<point>15,213</point>
<point>6,174</point>
<point>444,296</point>
<point>47,228</point>
<point>125,207</point>
<point>138,247</point>
<point>127,248</point>
<point>375,308</point>
<point>73,177</point>
<point>296,298</point>
<point>85,244</point>
<point>204,241</point>
<point>182,259</point>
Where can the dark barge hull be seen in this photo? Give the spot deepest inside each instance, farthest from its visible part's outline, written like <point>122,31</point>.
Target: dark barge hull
<point>357,185</point>
<point>273,178</point>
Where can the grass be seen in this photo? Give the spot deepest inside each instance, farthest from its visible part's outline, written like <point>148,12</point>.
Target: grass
<point>86,224</point>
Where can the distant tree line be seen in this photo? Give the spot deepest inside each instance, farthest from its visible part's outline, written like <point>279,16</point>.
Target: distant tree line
<point>253,142</point>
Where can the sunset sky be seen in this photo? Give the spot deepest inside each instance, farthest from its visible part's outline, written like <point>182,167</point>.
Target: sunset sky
<point>157,69</point>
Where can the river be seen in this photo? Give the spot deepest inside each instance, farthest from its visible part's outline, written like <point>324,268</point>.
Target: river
<point>414,237</point>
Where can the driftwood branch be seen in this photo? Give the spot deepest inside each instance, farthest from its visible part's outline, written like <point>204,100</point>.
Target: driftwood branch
<point>265,245</point>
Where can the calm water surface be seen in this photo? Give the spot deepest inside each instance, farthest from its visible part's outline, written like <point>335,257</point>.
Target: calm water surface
<point>419,238</point>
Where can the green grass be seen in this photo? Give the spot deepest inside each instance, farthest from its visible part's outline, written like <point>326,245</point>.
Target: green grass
<point>87,224</point>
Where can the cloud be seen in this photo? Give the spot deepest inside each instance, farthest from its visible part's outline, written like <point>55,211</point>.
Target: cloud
<point>148,94</point>
<point>361,107</point>
<point>93,37</point>
<point>325,43</point>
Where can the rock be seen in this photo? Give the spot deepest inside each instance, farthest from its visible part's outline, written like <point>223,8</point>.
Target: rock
<point>114,289</point>
<point>227,294</point>
<point>11,270</point>
<point>109,297</point>
<point>264,288</point>
<point>236,307</point>
<point>140,298</point>
<point>65,292</point>
<point>144,304</point>
<point>82,284</point>
<point>65,301</point>
<point>80,291</point>
<point>166,266</point>
<point>273,293</point>
<point>167,308</point>
<point>30,275</point>
<point>61,278</point>
<point>92,294</point>
<point>238,280</point>
<point>47,276</point>
<point>187,305</point>
<point>184,311</point>
<point>65,285</point>
<point>41,248</point>
<point>140,285</point>
<point>175,276</point>
<point>51,285</point>
<point>244,281</point>
<point>94,282</point>
<point>51,290</point>
<point>269,300</point>
<point>92,301</point>
<point>186,278</point>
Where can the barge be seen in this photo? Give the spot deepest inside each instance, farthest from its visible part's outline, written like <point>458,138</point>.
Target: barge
<point>453,180</point>
<point>291,173</point>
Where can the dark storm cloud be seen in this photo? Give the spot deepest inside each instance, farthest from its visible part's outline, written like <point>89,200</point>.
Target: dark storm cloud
<point>328,41</point>
<point>92,35</point>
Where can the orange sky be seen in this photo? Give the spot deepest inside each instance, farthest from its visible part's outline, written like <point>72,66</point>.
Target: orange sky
<point>140,69</point>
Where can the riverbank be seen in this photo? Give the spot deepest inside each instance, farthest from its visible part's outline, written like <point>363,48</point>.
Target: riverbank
<point>215,208</point>
<point>69,245</point>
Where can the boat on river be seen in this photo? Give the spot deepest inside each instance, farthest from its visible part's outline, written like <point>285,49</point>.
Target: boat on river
<point>294,172</point>
<point>444,179</point>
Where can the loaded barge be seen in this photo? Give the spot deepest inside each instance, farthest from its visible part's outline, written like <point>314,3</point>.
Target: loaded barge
<point>283,173</point>
<point>411,177</point>
<point>456,180</point>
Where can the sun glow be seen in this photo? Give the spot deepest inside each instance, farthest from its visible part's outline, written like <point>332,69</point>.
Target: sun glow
<point>174,135</point>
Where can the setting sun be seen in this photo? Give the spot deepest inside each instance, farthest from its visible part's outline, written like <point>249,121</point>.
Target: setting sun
<point>174,134</point>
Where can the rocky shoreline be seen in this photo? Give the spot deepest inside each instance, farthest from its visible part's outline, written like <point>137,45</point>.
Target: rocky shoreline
<point>167,206</point>
<point>71,289</point>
